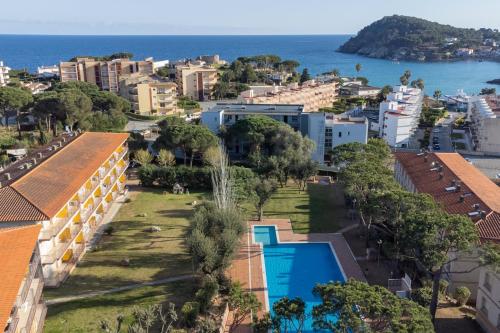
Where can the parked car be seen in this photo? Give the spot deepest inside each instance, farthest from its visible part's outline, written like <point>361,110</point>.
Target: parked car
<point>436,147</point>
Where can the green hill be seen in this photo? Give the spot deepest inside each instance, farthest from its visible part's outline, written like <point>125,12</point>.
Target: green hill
<point>404,37</point>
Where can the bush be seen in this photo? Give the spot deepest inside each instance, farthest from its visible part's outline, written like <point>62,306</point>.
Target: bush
<point>206,293</point>
<point>462,295</point>
<point>166,177</point>
<point>109,230</point>
<point>422,296</point>
<point>443,287</point>
<point>189,312</point>
<point>207,325</point>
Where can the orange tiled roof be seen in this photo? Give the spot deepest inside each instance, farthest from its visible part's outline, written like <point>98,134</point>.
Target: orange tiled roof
<point>50,185</point>
<point>475,187</point>
<point>16,248</point>
<point>14,207</point>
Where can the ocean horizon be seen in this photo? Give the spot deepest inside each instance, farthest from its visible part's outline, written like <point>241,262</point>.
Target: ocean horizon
<point>316,52</point>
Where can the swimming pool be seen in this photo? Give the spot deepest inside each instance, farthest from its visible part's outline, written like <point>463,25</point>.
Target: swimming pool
<point>293,269</point>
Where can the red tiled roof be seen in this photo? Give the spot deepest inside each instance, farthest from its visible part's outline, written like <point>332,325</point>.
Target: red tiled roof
<point>475,187</point>
<point>41,193</point>
<point>15,208</point>
<point>16,249</point>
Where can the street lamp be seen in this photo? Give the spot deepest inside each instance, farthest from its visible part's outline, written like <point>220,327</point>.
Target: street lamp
<point>379,242</point>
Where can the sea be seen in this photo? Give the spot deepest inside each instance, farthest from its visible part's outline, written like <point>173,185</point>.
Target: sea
<point>315,52</point>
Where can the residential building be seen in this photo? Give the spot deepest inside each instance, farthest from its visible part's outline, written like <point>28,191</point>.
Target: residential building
<point>484,116</point>
<point>48,71</point>
<point>67,188</point>
<point>22,309</point>
<point>149,95</point>
<point>488,300</point>
<point>326,130</point>
<point>310,94</point>
<point>459,188</point>
<point>359,90</point>
<point>105,74</point>
<point>211,59</point>
<point>196,81</point>
<point>4,74</point>
<point>399,115</point>
<point>35,87</point>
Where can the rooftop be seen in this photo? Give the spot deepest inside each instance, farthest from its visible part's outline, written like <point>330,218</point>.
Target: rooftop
<point>458,186</point>
<point>48,186</point>
<point>16,249</point>
<point>258,108</point>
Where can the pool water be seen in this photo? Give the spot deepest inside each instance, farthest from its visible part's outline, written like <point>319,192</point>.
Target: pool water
<point>293,269</point>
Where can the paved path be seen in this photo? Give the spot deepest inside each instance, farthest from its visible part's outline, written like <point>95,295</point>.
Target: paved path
<point>119,289</point>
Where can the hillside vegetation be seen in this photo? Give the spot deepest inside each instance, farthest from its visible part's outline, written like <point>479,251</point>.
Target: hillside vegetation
<point>404,37</point>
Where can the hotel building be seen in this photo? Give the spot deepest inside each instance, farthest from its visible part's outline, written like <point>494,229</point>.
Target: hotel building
<point>195,81</point>
<point>399,115</point>
<point>4,74</point>
<point>148,95</point>
<point>67,188</point>
<point>459,188</point>
<point>105,74</point>
<point>326,130</point>
<point>22,309</point>
<point>310,94</point>
<point>484,115</point>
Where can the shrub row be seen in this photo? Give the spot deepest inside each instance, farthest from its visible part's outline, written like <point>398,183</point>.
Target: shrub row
<point>195,178</point>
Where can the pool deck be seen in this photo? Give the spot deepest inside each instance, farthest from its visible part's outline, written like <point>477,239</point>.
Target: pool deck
<point>247,265</point>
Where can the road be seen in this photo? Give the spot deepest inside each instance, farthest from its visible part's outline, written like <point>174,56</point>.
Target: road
<point>443,132</point>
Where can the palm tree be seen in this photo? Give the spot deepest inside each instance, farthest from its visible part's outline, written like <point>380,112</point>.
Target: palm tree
<point>437,94</point>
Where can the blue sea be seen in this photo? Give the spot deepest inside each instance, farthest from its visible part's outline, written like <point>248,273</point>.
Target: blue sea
<point>290,271</point>
<point>316,52</point>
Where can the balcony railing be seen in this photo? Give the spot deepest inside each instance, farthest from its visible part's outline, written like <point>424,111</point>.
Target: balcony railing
<point>61,247</point>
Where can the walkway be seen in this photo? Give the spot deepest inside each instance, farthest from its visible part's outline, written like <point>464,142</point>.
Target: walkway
<point>119,289</point>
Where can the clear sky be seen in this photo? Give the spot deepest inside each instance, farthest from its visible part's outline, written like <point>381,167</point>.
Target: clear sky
<point>163,17</point>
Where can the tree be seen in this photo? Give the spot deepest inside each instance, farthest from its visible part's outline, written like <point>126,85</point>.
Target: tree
<point>302,170</point>
<point>214,237</point>
<point>305,76</point>
<point>242,304</point>
<point>142,157</point>
<point>289,314</point>
<point>13,100</point>
<point>488,91</point>
<point>248,75</point>
<point>437,94</point>
<point>404,80</point>
<point>289,65</point>
<point>263,191</point>
<point>221,89</point>
<point>165,158</point>
<point>355,306</point>
<point>419,83</point>
<point>358,68</point>
<point>73,106</point>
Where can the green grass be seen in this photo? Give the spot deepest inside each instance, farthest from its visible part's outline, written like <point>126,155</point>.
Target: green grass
<point>319,209</point>
<point>85,315</point>
<point>457,136</point>
<point>152,256</point>
<point>459,145</point>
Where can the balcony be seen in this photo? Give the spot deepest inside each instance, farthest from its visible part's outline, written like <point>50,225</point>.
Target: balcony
<point>62,246</point>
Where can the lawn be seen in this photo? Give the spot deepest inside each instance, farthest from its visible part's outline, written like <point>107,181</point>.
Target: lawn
<point>152,256</point>
<point>85,315</point>
<point>457,136</point>
<point>319,209</point>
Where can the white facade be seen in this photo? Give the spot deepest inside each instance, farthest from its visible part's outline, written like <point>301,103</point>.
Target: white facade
<point>399,115</point>
<point>484,115</point>
<point>48,71</point>
<point>488,301</point>
<point>4,74</point>
<point>326,130</point>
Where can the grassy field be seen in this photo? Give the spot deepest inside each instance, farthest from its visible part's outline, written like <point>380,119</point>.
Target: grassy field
<point>84,316</point>
<point>152,256</point>
<point>319,209</point>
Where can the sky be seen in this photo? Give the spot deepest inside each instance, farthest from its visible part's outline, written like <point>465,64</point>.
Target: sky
<point>229,17</point>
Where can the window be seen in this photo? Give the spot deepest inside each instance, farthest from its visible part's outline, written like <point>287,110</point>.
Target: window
<point>484,306</point>
<point>348,133</point>
<point>328,131</point>
<point>487,281</point>
<point>340,134</point>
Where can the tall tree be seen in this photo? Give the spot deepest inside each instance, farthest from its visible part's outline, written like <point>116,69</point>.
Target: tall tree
<point>358,68</point>
<point>289,315</point>
<point>263,191</point>
<point>13,100</point>
<point>305,76</point>
<point>248,75</point>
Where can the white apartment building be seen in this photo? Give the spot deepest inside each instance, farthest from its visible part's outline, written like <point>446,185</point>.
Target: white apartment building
<point>196,81</point>
<point>4,74</point>
<point>488,300</point>
<point>48,71</point>
<point>484,114</point>
<point>399,115</point>
<point>67,188</point>
<point>311,94</point>
<point>326,130</point>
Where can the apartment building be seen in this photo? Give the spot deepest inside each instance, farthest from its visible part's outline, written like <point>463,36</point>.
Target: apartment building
<point>488,300</point>
<point>484,116</point>
<point>461,189</point>
<point>67,188</point>
<point>4,74</point>
<point>326,130</point>
<point>22,309</point>
<point>105,74</point>
<point>359,90</point>
<point>196,81</point>
<point>399,115</point>
<point>149,95</point>
<point>311,94</point>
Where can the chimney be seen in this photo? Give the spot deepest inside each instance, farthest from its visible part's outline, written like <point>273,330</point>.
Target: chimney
<point>483,214</point>
<point>60,144</point>
<point>462,198</point>
<point>453,182</point>
<point>459,187</point>
<point>63,139</point>
<point>40,155</point>
<point>7,176</point>
<point>441,175</point>
<point>440,168</point>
